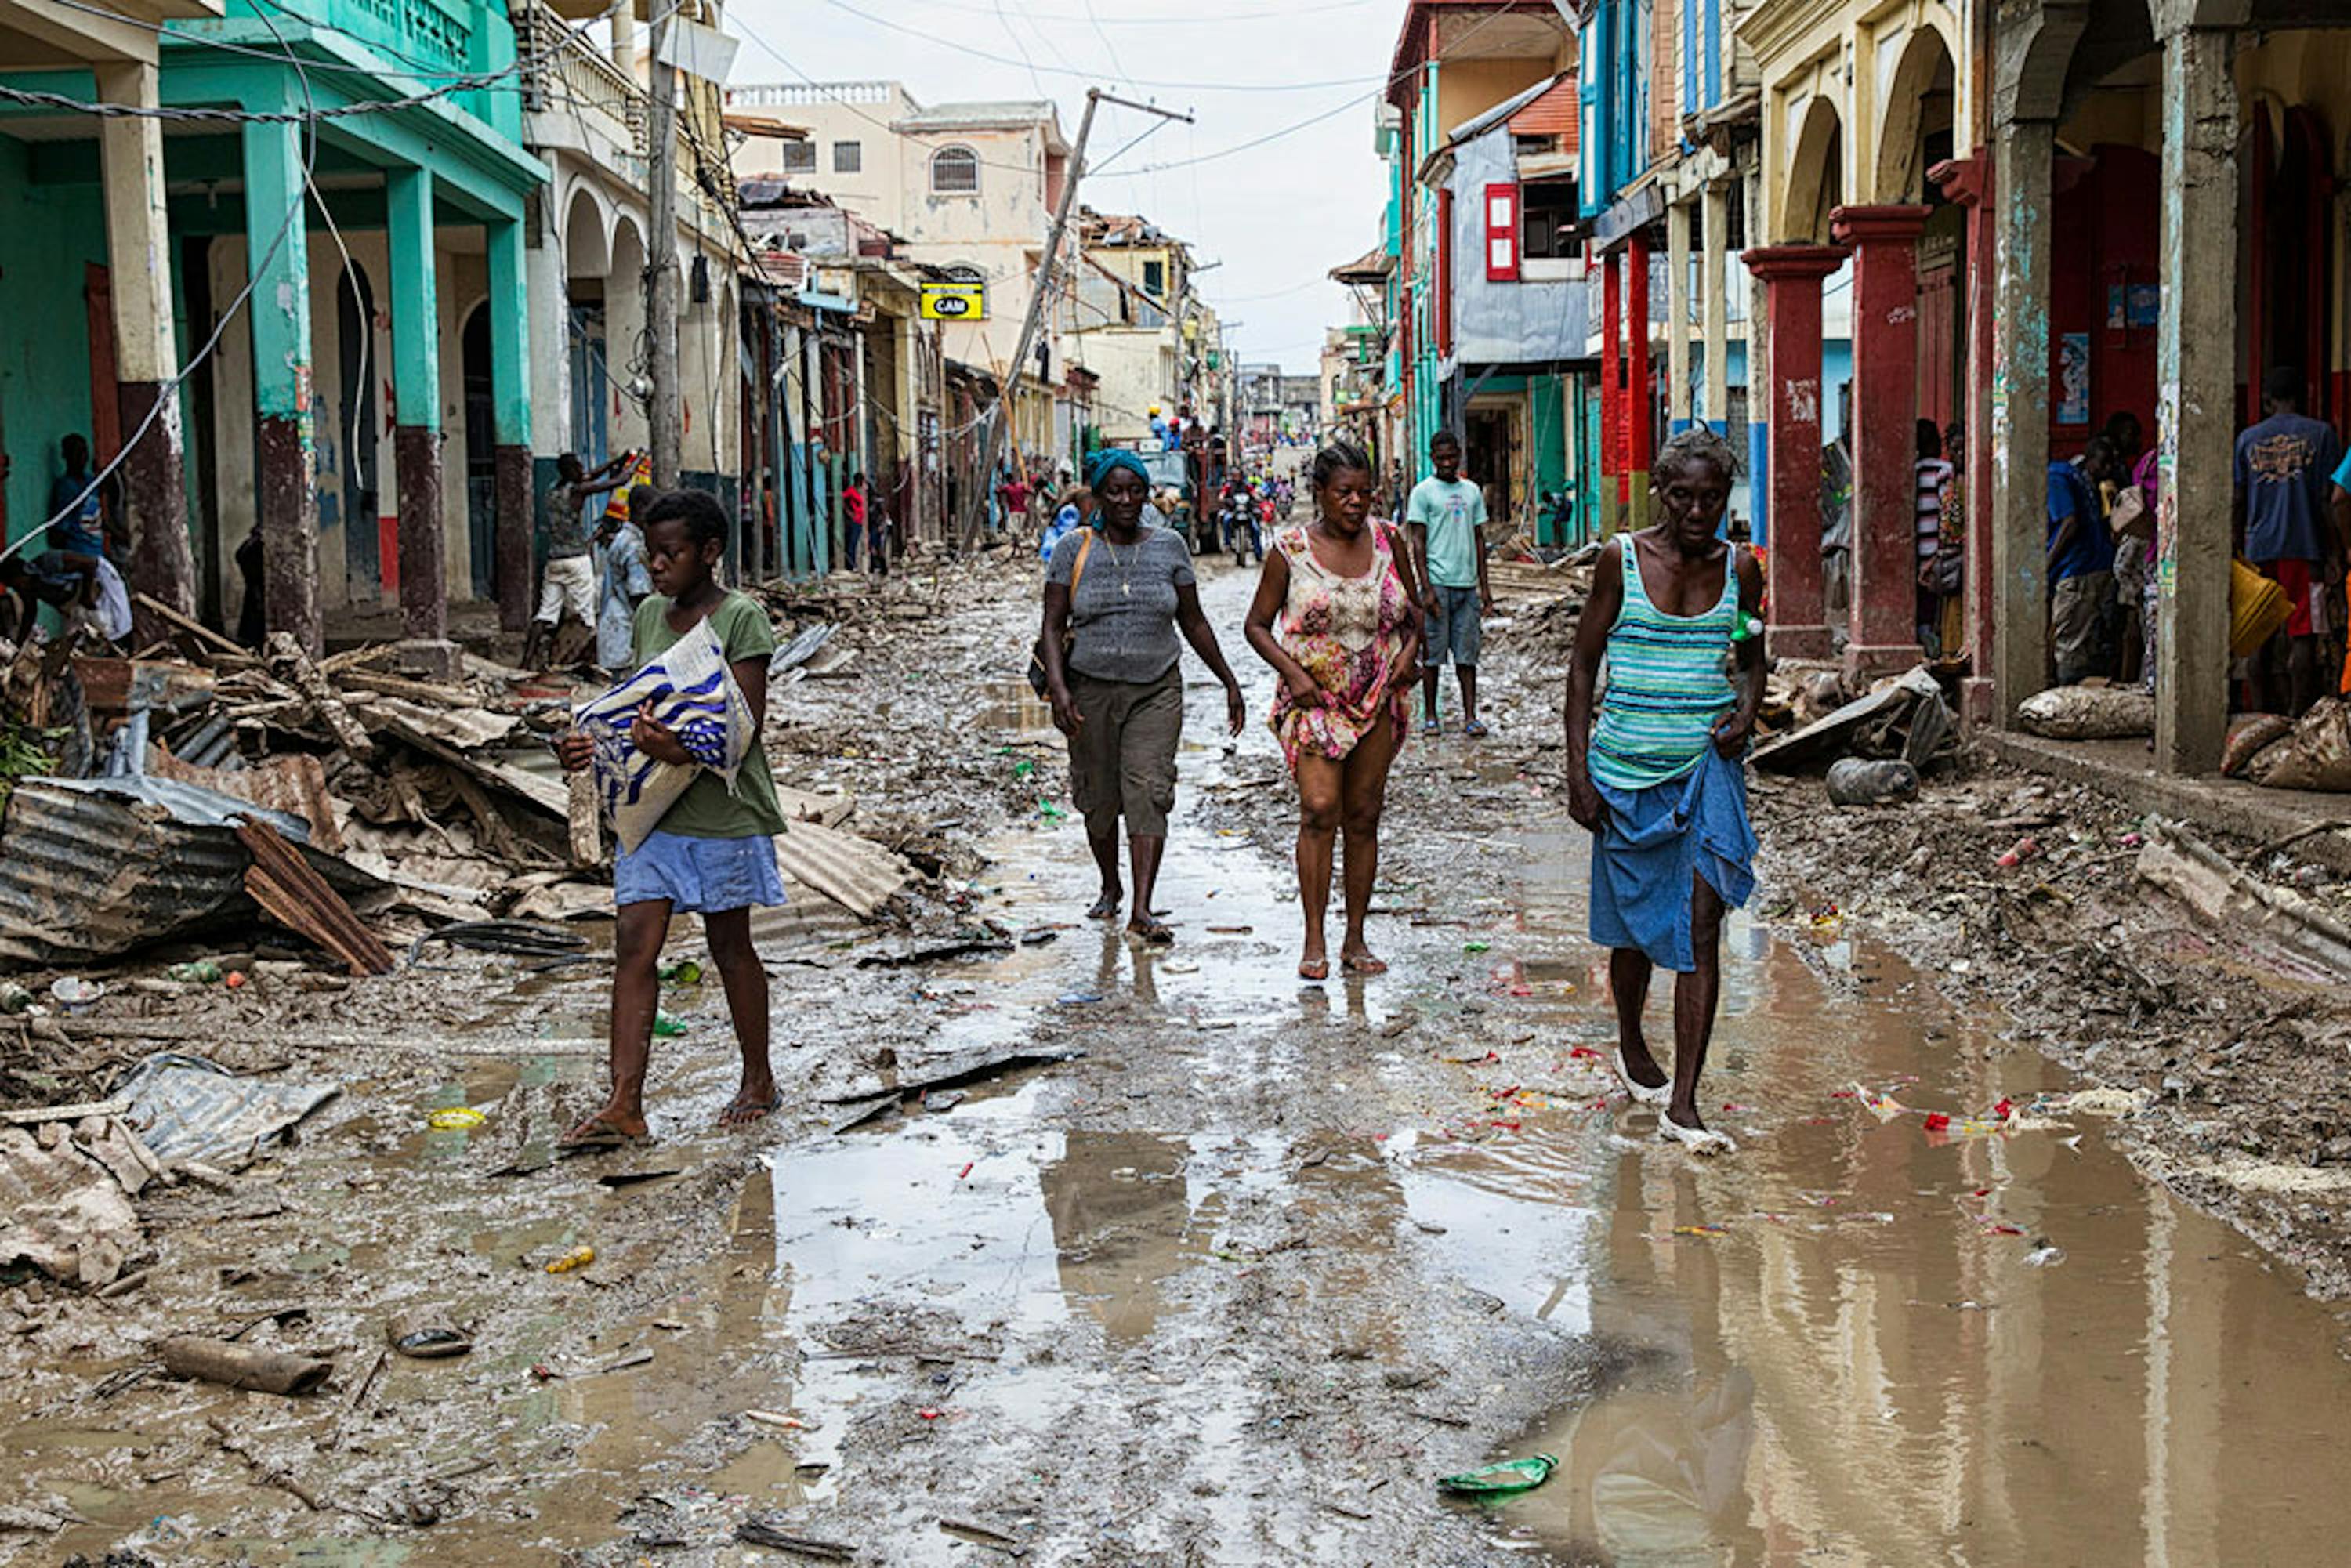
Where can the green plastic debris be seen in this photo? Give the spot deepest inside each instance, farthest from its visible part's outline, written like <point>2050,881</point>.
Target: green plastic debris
<point>1050,812</point>
<point>666,1027</point>
<point>685,972</point>
<point>1501,1480</point>
<point>1476,947</point>
<point>1749,625</point>
<point>1022,769</point>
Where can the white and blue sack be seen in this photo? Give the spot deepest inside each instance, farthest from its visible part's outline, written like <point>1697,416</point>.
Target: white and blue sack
<point>693,693</point>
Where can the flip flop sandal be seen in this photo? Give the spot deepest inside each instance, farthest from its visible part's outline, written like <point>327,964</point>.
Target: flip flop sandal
<point>1704,1142</point>
<point>742,1113</point>
<point>1152,934</point>
<point>1105,909</point>
<point>1641,1093</point>
<point>426,1333</point>
<point>1431,727</point>
<point>1364,966</point>
<point>600,1138</point>
<point>1474,729</point>
<point>1315,969</point>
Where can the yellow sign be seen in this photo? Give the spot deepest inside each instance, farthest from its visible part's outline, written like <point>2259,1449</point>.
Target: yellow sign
<point>954,302</point>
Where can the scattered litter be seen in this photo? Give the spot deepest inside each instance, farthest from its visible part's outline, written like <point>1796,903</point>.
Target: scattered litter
<point>1503,1479</point>
<point>454,1118</point>
<point>76,994</point>
<point>1702,1230</point>
<point>774,1530</point>
<point>578,1257</point>
<point>242,1366</point>
<point>426,1333</point>
<point>2046,1254</point>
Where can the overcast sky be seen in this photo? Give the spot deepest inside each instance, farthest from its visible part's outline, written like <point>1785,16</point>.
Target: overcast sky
<point>1278,217</point>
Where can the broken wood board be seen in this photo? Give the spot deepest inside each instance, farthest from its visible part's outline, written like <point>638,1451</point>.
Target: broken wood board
<point>1825,739</point>
<point>2230,899</point>
<point>289,663</point>
<point>205,637</point>
<point>948,1072</point>
<point>826,809</point>
<point>855,873</point>
<point>299,898</point>
<point>587,820</point>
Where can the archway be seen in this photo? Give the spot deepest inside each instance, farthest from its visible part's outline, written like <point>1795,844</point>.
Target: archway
<point>1815,176</point>
<point>1915,133</point>
<point>621,319</point>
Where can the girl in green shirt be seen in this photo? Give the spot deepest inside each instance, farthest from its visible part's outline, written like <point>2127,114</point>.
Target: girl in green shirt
<point>713,853</point>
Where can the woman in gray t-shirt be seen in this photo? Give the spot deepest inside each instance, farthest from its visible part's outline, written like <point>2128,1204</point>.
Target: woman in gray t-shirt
<point>1116,685</point>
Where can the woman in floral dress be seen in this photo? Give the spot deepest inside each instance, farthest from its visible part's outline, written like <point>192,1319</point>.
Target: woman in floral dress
<point>1336,616</point>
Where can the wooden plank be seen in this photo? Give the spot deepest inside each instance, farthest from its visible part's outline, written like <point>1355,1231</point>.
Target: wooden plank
<point>34,1116</point>
<point>194,628</point>
<point>284,883</point>
<point>587,820</point>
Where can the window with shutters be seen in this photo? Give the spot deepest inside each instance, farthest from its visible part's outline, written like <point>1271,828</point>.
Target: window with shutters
<point>1502,233</point>
<point>800,156</point>
<point>848,157</point>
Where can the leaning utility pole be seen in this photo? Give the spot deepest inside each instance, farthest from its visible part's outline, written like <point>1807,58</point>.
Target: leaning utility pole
<point>1000,422</point>
<point>664,419</point>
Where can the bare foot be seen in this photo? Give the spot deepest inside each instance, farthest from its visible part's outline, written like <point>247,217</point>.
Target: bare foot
<point>751,1103</point>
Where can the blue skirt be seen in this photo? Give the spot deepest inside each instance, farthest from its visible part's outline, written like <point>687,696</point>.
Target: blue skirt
<point>1656,841</point>
<point>698,876</point>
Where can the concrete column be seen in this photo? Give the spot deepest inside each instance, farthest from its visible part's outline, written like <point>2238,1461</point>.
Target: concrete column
<point>2195,380</point>
<point>286,461</point>
<point>1611,394</point>
<point>1883,631</point>
<point>1717,270</point>
<point>1798,627</point>
<point>1639,404</point>
<point>625,39</point>
<point>1969,182</point>
<point>1677,314</point>
<point>2019,417</point>
<point>416,399</point>
<point>510,388</point>
<point>146,355</point>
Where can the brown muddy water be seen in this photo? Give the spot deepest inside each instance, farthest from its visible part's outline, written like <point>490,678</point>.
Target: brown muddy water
<point>1238,1285</point>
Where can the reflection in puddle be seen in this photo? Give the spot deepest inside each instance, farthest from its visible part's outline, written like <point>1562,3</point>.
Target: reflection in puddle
<point>1842,1354</point>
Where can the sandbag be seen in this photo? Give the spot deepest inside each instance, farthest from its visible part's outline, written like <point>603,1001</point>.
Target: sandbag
<point>693,693</point>
<point>2314,755</point>
<point>1858,782</point>
<point>2089,712</point>
<point>2248,735</point>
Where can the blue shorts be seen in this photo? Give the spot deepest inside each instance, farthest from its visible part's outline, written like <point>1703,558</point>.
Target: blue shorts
<point>698,876</point>
<point>1456,630</point>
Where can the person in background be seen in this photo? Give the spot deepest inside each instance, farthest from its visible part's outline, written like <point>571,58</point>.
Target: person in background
<point>1661,782</point>
<point>622,584</point>
<point>714,852</point>
<point>1446,519</point>
<point>1836,515</point>
<point>1014,495</point>
<point>2147,475</point>
<point>2081,565</point>
<point>1076,502</point>
<point>1336,616</point>
<point>1931,476</point>
<point>31,588</point>
<point>570,581</point>
<point>877,530</point>
<point>852,519</point>
<point>1117,690</point>
<point>251,619</point>
<point>77,540</point>
<point>1949,568</point>
<point>1158,428</point>
<point>2286,514</point>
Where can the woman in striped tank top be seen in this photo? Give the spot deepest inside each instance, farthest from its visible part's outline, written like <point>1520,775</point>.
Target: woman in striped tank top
<point>1661,782</point>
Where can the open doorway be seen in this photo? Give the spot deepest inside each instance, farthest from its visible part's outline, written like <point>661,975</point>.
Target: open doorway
<point>481,454</point>
<point>1488,451</point>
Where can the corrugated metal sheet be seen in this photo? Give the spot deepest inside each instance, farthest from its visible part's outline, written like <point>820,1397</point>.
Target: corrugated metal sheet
<point>1552,114</point>
<point>855,873</point>
<point>92,868</point>
<point>187,1108</point>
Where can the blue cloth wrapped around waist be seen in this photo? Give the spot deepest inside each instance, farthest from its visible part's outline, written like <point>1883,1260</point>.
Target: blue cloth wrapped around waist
<point>1656,840</point>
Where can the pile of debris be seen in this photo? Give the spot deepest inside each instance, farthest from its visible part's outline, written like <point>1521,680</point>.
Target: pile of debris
<point>202,786</point>
<point>1877,747</point>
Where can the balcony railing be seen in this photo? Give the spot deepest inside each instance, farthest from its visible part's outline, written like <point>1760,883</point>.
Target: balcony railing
<point>577,78</point>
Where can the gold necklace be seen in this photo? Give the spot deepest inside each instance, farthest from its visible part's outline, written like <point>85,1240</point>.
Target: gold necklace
<point>1125,576</point>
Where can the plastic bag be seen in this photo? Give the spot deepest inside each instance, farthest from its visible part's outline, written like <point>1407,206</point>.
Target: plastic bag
<point>693,693</point>
<point>2089,712</point>
<point>2314,755</point>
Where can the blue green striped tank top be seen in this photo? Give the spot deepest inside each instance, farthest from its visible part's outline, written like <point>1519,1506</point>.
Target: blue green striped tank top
<point>1666,686</point>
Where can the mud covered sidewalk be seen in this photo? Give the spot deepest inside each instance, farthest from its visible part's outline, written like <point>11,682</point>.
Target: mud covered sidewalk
<point>1236,1280</point>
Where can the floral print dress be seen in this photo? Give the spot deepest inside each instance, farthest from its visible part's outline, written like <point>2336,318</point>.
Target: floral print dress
<point>1350,634</point>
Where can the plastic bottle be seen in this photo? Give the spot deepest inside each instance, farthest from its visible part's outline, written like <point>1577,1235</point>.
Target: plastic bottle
<point>666,1027</point>
<point>203,972</point>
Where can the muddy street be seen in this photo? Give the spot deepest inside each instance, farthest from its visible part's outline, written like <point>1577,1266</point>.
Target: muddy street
<point>1233,1282</point>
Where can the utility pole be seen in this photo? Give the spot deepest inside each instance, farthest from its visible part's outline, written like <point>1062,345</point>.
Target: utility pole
<point>666,420</point>
<point>999,422</point>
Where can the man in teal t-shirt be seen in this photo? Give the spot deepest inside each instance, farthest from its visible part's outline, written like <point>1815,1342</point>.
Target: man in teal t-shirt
<point>1447,517</point>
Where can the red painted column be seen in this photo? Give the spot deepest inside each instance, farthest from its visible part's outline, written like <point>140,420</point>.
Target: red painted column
<point>1611,394</point>
<point>1884,633</point>
<point>1797,624</point>
<point>1640,406</point>
<point>1970,182</point>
